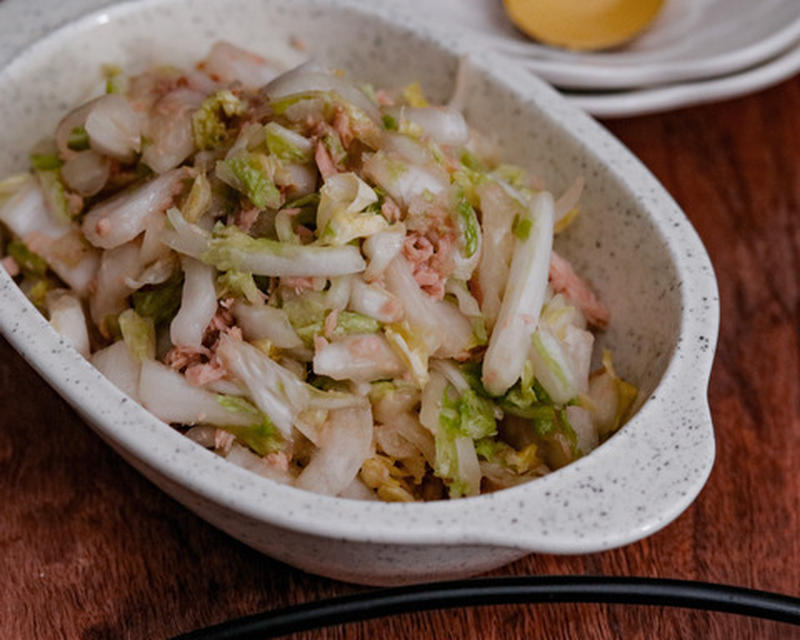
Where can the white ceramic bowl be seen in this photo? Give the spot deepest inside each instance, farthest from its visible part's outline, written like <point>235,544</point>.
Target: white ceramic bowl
<point>635,244</point>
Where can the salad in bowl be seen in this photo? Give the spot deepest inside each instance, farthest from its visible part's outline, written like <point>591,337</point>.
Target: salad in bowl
<point>338,286</point>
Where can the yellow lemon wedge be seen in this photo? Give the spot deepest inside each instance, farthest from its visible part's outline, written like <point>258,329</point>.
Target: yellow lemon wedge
<point>582,24</point>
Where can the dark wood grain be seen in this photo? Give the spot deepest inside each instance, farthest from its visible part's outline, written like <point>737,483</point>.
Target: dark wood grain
<point>89,549</point>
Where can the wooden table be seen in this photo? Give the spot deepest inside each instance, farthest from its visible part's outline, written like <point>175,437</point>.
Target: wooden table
<point>89,549</point>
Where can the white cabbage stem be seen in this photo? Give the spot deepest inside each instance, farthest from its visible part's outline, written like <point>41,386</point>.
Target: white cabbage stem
<point>569,200</point>
<point>125,216</point>
<point>357,490</point>
<point>498,209</point>
<point>407,148</point>
<point>169,133</point>
<point>185,237</point>
<point>381,248</point>
<point>338,294</point>
<point>169,396</point>
<point>577,345</point>
<point>73,120</point>
<point>301,179</point>
<point>341,216</point>
<point>345,446</point>
<point>400,398</point>
<point>453,374</point>
<point>260,256</point>
<point>581,422</point>
<point>198,304</point>
<point>552,368</point>
<point>111,290</point>
<point>243,457</point>
<point>227,63</point>
<point>405,181</point>
<point>312,77</point>
<point>469,469</point>
<point>374,301</point>
<point>410,428</point>
<point>275,389</point>
<point>392,442</point>
<point>262,321</point>
<point>67,317</point>
<point>119,365</point>
<point>444,124</point>
<point>522,300</point>
<point>57,241</point>
<point>431,401</point>
<point>86,172</point>
<point>114,128</point>
<point>445,331</point>
<point>361,358</point>
<point>467,304</point>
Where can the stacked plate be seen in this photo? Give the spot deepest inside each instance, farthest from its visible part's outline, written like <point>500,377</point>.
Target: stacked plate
<point>696,51</point>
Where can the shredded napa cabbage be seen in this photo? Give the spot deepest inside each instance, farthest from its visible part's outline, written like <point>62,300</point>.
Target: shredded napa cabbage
<point>139,334</point>
<point>209,121</point>
<point>337,286</point>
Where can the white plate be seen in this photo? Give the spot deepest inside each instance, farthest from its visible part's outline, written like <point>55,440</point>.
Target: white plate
<point>633,103</point>
<point>690,40</point>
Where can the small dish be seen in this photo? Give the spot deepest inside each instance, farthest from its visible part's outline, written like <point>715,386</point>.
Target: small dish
<point>624,104</point>
<point>690,40</point>
<point>638,248</point>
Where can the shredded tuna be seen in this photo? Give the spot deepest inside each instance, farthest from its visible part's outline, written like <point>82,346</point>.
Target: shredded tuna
<point>566,281</point>
<point>417,248</point>
<point>430,281</point>
<point>425,276</point>
<point>223,440</point>
<point>278,460</point>
<point>391,211</point>
<point>384,99</point>
<point>10,265</point>
<point>424,216</point>
<point>329,326</point>
<point>181,357</point>
<point>202,374</point>
<point>221,321</point>
<point>316,126</point>
<point>431,261</point>
<point>341,123</point>
<point>442,260</point>
<point>325,163</point>
<point>305,234</point>
<point>202,365</point>
<point>246,218</point>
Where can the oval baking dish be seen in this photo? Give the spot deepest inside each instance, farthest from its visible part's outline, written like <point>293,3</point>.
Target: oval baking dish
<point>631,240</point>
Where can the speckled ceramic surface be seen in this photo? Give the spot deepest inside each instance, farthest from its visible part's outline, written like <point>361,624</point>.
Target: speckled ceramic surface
<point>632,241</point>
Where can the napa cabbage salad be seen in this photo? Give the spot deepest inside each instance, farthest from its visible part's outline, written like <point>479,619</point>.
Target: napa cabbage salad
<point>338,287</point>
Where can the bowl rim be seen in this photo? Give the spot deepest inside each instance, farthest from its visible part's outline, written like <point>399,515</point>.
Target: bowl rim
<point>137,434</point>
